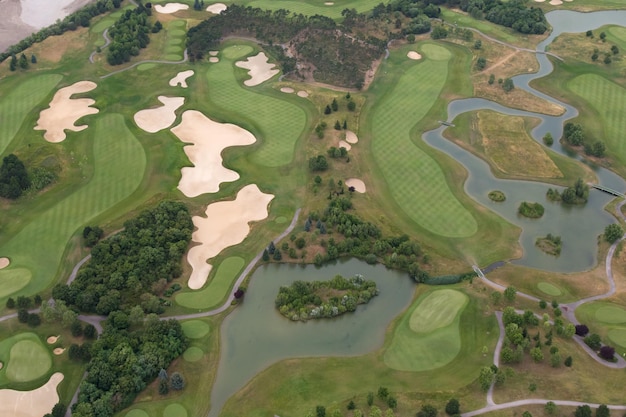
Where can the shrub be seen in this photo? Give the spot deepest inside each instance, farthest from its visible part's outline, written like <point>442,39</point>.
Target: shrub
<point>612,233</point>
<point>453,407</point>
<point>607,353</point>
<point>593,341</point>
<point>177,382</point>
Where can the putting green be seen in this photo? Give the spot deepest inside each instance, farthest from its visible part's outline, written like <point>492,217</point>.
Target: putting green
<point>280,122</point>
<point>176,32</point>
<point>416,352</point>
<point>549,289</point>
<point>217,289</point>
<point>416,181</point>
<point>193,354</point>
<point>145,67</point>
<point>13,280</point>
<point>611,314</point>
<point>618,336</point>
<point>17,103</point>
<point>195,329</point>
<point>173,57</point>
<point>438,309</point>
<point>175,410</point>
<point>28,360</point>
<point>137,412</point>
<point>237,51</point>
<point>119,163</point>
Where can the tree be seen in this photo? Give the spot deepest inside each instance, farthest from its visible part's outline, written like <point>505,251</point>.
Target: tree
<point>370,398</point>
<point>568,361</point>
<point>13,64</point>
<point>427,411</point>
<point>453,407</point>
<point>439,32</point>
<point>536,354</point>
<point>508,85</point>
<point>22,315</point>
<point>33,59</point>
<point>33,320</point>
<point>607,353</point>
<point>583,411</point>
<point>10,303</point>
<point>383,393</point>
<point>603,411</point>
<point>334,105</point>
<point>320,411</point>
<point>607,59</point>
<point>485,378</point>
<point>277,255</point>
<point>509,293</point>
<point>548,139</point>
<point>594,56</point>
<point>589,34</point>
<point>351,405</point>
<point>23,63</point>
<point>550,407</point>
<point>614,50</point>
<point>542,304</point>
<point>14,179</point>
<point>602,35</point>
<point>392,402</point>
<point>337,125</point>
<point>496,297</point>
<point>351,105</point>
<point>327,110</point>
<point>164,387</point>
<point>478,44</point>
<point>593,341</point>
<point>481,63</point>
<point>613,233</point>
<point>58,410</point>
<point>526,414</point>
<point>177,382</point>
<point>76,328</point>
<point>266,255</point>
<point>492,79</point>
<point>318,163</point>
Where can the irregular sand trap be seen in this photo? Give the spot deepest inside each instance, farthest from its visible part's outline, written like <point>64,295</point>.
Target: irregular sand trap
<point>328,3</point>
<point>287,90</point>
<point>170,8</point>
<point>33,403</point>
<point>158,118</point>
<point>344,144</point>
<point>351,137</point>
<point>216,8</point>
<point>58,351</point>
<point>359,186</point>
<point>258,68</point>
<point>540,1</point>
<point>181,78</point>
<point>214,59</point>
<point>214,53</point>
<point>64,111</point>
<point>4,262</point>
<point>208,139</point>
<point>52,340</point>
<point>414,55</point>
<point>226,224</point>
<point>556,2</point>
<point>303,94</point>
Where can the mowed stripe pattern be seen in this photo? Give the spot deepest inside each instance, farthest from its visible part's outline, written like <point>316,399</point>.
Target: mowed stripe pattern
<point>416,181</point>
<point>119,162</point>
<point>15,106</point>
<point>310,8</point>
<point>609,99</point>
<point>280,123</point>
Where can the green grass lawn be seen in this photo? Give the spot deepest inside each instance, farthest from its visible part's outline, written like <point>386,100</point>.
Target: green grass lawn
<point>195,329</point>
<point>193,354</point>
<point>24,358</point>
<point>119,162</point>
<point>19,101</point>
<point>549,289</point>
<point>176,31</point>
<point>416,181</point>
<point>438,309</point>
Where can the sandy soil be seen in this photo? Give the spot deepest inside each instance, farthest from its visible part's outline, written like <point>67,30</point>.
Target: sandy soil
<point>159,118</point>
<point>4,262</point>
<point>351,137</point>
<point>414,55</point>
<point>287,90</point>
<point>181,78</point>
<point>216,8</point>
<point>258,68</point>
<point>170,8</point>
<point>214,59</point>
<point>65,111</point>
<point>33,403</point>
<point>303,94</point>
<point>344,144</point>
<point>58,351</point>
<point>208,139</point>
<point>226,224</point>
<point>52,340</point>
<point>359,186</point>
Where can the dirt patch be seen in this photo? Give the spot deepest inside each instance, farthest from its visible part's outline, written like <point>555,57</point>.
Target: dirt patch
<point>58,351</point>
<point>159,118</point>
<point>414,55</point>
<point>4,262</point>
<point>208,139</point>
<point>170,8</point>
<point>287,90</point>
<point>303,94</point>
<point>52,340</point>
<point>216,8</point>
<point>33,403</point>
<point>225,224</point>
<point>359,185</point>
<point>65,111</point>
<point>259,68</point>
<point>181,78</point>
<point>351,137</point>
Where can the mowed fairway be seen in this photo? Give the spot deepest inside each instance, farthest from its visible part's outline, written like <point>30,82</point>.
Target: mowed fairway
<point>19,102</point>
<point>119,165</point>
<point>311,7</point>
<point>609,100</point>
<point>429,335</point>
<point>415,180</point>
<point>216,290</point>
<point>280,123</point>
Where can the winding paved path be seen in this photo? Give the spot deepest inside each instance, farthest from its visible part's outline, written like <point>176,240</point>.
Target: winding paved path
<point>107,42</point>
<point>149,61</point>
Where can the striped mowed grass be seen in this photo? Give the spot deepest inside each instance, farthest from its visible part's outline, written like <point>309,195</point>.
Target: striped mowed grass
<point>311,7</point>
<point>414,178</point>
<point>279,122</point>
<point>119,166</point>
<point>20,101</point>
<point>217,288</point>
<point>609,100</point>
<point>25,358</point>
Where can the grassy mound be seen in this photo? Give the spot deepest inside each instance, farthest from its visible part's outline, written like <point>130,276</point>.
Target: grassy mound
<point>193,354</point>
<point>136,413</point>
<point>611,314</point>
<point>28,360</point>
<point>549,289</point>
<point>175,410</point>
<point>438,309</point>
<point>195,329</point>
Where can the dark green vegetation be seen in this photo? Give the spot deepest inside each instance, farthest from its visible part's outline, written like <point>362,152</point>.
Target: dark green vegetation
<point>516,14</point>
<point>324,299</point>
<point>574,135</point>
<point>613,232</point>
<point>578,194</point>
<point>531,210</point>
<point>497,195</point>
<point>549,244</point>
<point>14,179</point>
<point>129,35</point>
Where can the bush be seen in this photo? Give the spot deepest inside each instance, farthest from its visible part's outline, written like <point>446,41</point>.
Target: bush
<point>548,139</point>
<point>612,233</point>
<point>177,382</point>
<point>607,353</point>
<point>593,341</point>
<point>34,320</point>
<point>453,407</point>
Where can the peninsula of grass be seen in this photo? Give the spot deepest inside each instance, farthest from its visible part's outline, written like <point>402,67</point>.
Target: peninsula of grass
<point>217,289</point>
<point>497,196</point>
<point>530,210</point>
<point>550,244</point>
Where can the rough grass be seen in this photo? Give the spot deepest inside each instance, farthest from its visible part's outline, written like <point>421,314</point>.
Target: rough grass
<point>277,123</point>
<point>28,360</point>
<point>435,345</point>
<point>417,183</point>
<point>618,336</point>
<point>119,164</point>
<point>307,7</point>
<point>549,289</point>
<point>136,413</point>
<point>18,102</point>
<point>195,329</point>
<point>217,289</point>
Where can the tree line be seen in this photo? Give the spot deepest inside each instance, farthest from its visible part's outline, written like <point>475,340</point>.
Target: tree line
<point>515,14</point>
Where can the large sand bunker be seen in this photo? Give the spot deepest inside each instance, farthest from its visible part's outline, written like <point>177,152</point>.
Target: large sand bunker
<point>351,137</point>
<point>258,68</point>
<point>181,79</point>
<point>208,139</point>
<point>4,262</point>
<point>170,8</point>
<point>33,403</point>
<point>414,55</point>
<point>216,8</point>
<point>65,111</point>
<point>359,186</point>
<point>159,118</point>
<point>226,224</point>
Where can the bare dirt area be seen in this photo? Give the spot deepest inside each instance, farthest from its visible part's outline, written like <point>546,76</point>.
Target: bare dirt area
<point>33,403</point>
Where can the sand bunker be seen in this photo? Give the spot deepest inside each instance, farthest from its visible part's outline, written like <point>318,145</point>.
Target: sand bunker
<point>64,111</point>
<point>226,224</point>
<point>216,8</point>
<point>287,90</point>
<point>539,1</point>
<point>414,55</point>
<point>303,94</point>
<point>208,139</point>
<point>1,365</point>
<point>52,340</point>
<point>258,68</point>
<point>351,137</point>
<point>58,351</point>
<point>213,53</point>
<point>359,186</point>
<point>4,262</point>
<point>556,2</point>
<point>181,78</point>
<point>214,59</point>
<point>344,144</point>
<point>328,3</point>
<point>33,403</point>
<point>159,118</point>
<point>170,8</point>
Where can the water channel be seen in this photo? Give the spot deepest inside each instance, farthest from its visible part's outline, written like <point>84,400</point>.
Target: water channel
<point>255,336</point>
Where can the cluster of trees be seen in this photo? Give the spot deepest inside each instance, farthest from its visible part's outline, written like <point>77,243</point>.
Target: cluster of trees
<point>23,304</point>
<point>514,14</point>
<point>176,382</point>
<point>198,4</point>
<point>574,134</point>
<point>594,341</point>
<point>133,266</point>
<point>14,179</point>
<point>577,194</point>
<point>319,299</point>
<point>550,244</point>
<point>385,399</point>
<point>22,63</point>
<point>585,411</point>
<point>91,235</point>
<point>129,35</point>
<point>613,233</point>
<point>530,210</point>
<point>318,163</point>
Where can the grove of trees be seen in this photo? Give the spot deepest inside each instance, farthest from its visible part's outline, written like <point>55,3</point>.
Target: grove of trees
<point>129,35</point>
<point>14,179</point>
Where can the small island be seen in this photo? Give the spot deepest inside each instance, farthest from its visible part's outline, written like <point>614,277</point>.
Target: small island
<point>530,210</point>
<point>497,196</point>
<point>302,301</point>
<point>549,244</point>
